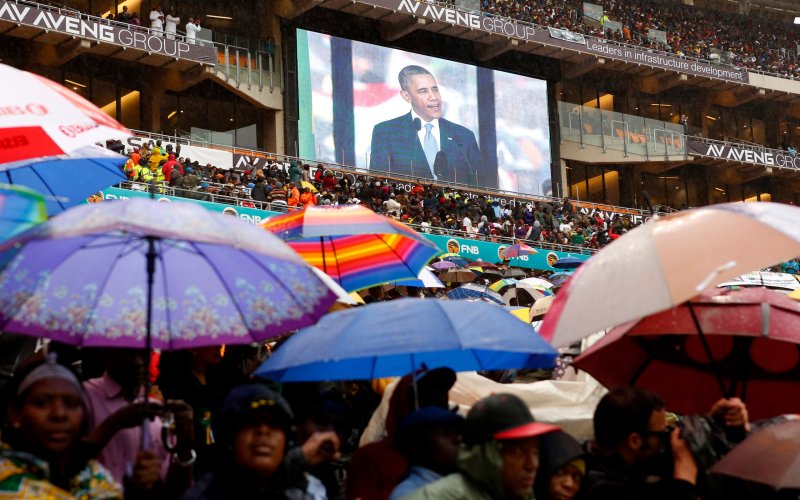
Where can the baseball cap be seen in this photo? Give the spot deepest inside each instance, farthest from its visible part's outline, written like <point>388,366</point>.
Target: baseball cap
<point>254,400</point>
<point>430,415</point>
<point>501,417</point>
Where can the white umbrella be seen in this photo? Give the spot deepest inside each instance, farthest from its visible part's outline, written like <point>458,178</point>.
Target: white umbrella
<point>668,261</point>
<point>536,282</point>
<point>43,118</point>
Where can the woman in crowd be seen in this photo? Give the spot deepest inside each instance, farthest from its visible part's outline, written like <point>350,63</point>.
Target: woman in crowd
<point>41,456</point>
<point>254,459</point>
<point>561,467</point>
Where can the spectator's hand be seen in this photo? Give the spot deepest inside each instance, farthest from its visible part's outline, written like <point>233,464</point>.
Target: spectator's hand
<point>732,412</point>
<point>685,465</point>
<point>134,414</point>
<point>146,471</point>
<point>184,424</point>
<point>321,447</point>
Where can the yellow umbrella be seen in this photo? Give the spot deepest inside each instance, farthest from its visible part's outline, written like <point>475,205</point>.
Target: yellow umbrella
<point>307,184</point>
<point>521,313</point>
<point>795,294</point>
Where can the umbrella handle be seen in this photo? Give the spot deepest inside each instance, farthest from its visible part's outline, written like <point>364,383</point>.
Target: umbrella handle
<point>726,393</point>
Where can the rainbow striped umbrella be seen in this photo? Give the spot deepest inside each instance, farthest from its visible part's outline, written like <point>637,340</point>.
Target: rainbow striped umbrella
<point>354,245</point>
<point>20,209</point>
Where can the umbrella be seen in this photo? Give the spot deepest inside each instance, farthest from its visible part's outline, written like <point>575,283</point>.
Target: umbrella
<point>524,295</point>
<point>426,279</point>
<point>443,265</point>
<point>354,245</point>
<point>770,456</point>
<point>42,118</point>
<point>89,276</point>
<point>724,343</point>
<point>537,282</point>
<point>568,263</point>
<point>455,259</point>
<point>457,275</point>
<point>514,273</point>
<point>669,260</point>
<point>521,313</point>
<point>498,286</point>
<point>486,265</point>
<point>67,179</point>
<point>518,250</point>
<point>387,339</point>
<point>474,291</point>
<point>540,308</point>
<point>558,279</point>
<point>20,209</point>
<point>306,184</point>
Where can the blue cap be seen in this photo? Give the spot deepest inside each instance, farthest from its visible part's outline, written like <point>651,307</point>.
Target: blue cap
<point>203,184</point>
<point>251,185</point>
<point>427,416</point>
<point>189,170</point>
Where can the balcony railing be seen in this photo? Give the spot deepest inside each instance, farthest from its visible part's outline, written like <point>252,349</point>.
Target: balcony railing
<point>633,135</point>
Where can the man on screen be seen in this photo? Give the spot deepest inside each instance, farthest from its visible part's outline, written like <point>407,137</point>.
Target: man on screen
<point>423,144</point>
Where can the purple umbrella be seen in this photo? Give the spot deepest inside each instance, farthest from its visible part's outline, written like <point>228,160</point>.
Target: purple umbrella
<point>143,274</point>
<point>443,265</point>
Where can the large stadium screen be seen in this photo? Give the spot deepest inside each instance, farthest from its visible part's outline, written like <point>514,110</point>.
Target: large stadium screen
<point>407,114</point>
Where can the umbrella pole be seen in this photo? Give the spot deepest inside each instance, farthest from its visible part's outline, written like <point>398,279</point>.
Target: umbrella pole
<point>414,383</point>
<point>725,392</point>
<point>151,270</point>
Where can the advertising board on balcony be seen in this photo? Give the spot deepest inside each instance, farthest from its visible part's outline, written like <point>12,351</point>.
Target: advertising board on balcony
<point>529,33</point>
<point>91,28</point>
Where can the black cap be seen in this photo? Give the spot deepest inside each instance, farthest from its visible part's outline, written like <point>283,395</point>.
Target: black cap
<point>248,401</point>
<point>430,415</point>
<point>501,417</point>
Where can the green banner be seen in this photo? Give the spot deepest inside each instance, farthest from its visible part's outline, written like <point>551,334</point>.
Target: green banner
<point>252,215</point>
<point>490,252</point>
<point>471,249</point>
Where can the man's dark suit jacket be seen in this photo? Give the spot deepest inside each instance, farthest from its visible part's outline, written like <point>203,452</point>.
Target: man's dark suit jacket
<point>396,145</point>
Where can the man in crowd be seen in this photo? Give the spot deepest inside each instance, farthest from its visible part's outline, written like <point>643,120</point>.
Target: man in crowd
<point>633,444</point>
<point>157,21</point>
<point>499,456</point>
<point>192,29</point>
<point>429,439</point>
<point>171,24</point>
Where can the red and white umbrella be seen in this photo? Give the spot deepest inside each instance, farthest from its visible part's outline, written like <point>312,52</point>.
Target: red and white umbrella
<point>669,260</point>
<point>39,117</point>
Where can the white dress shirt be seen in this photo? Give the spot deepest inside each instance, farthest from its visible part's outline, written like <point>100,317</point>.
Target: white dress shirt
<point>435,131</point>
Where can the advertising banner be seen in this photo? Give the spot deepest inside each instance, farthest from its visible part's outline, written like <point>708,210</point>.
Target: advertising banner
<point>528,32</point>
<point>252,215</point>
<point>64,21</point>
<point>592,11</point>
<point>754,156</point>
<point>490,252</point>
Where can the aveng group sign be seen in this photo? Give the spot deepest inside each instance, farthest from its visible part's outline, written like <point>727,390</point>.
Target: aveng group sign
<point>92,28</point>
<point>527,32</point>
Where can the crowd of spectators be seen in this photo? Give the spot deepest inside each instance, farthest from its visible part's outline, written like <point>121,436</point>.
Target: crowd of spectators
<point>432,209</point>
<point>744,41</point>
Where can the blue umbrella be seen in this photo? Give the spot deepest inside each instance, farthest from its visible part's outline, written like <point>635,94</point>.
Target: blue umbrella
<point>475,291</point>
<point>568,263</point>
<point>559,279</point>
<point>387,339</point>
<point>67,180</point>
<point>459,261</point>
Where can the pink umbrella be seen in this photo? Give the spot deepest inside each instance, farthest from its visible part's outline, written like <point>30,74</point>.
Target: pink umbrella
<point>42,118</point>
<point>669,260</point>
